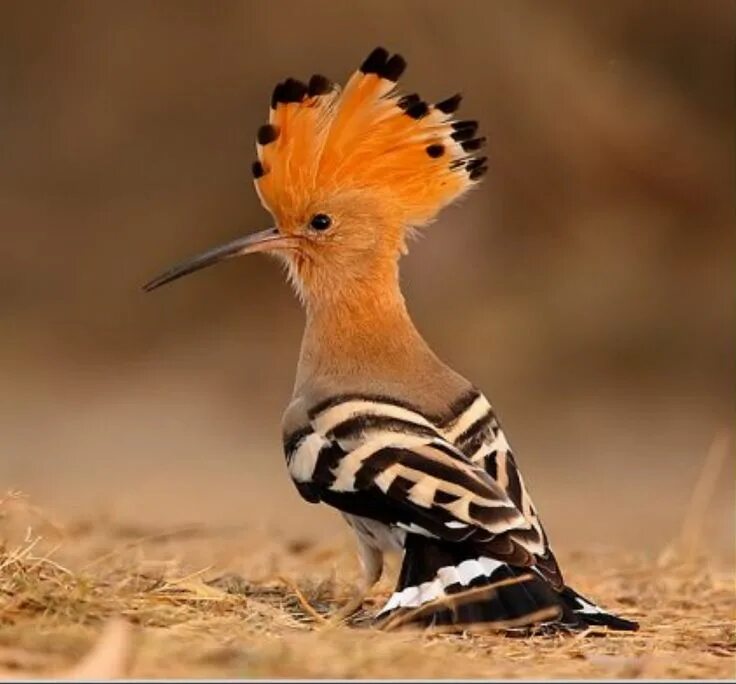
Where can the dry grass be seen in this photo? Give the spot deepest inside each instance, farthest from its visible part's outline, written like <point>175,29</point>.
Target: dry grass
<point>196,614</point>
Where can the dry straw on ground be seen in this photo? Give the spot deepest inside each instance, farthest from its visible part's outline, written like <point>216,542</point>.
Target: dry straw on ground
<point>201,602</point>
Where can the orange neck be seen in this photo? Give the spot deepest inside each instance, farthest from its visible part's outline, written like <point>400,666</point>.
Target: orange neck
<point>361,330</point>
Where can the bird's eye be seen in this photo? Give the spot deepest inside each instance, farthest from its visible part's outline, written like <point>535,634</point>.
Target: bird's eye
<point>320,222</point>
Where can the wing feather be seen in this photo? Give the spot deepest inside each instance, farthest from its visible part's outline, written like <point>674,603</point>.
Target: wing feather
<point>455,479</point>
<point>399,463</point>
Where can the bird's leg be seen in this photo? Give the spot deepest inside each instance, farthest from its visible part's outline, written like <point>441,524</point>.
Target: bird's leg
<point>371,561</point>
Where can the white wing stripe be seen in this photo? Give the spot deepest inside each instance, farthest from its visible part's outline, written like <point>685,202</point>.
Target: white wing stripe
<point>473,413</point>
<point>422,493</point>
<point>385,479</point>
<point>586,607</point>
<point>350,464</point>
<point>304,459</point>
<point>449,575</point>
<point>416,529</point>
<point>332,417</point>
<point>502,476</point>
<point>498,444</point>
<point>489,565</point>
<point>469,570</point>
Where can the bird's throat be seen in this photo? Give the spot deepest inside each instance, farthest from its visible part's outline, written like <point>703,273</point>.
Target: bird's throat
<point>360,330</point>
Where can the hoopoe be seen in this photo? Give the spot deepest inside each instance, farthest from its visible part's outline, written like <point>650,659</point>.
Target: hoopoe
<point>408,450</point>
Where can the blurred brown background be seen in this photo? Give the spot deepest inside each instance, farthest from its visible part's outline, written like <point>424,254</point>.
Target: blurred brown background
<point>586,286</point>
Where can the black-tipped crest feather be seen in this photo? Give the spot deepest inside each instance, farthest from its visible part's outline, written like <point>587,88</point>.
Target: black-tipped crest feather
<point>406,101</point>
<point>464,130</point>
<point>290,90</point>
<point>449,105</point>
<point>319,85</point>
<point>375,62</point>
<point>418,110</point>
<point>258,170</point>
<point>267,134</point>
<point>393,69</point>
<point>473,145</point>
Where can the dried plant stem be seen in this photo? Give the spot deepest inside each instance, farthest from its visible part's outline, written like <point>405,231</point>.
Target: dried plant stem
<point>450,601</point>
<point>303,602</point>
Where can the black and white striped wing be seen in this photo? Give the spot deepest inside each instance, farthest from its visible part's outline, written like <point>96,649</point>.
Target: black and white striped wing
<point>387,462</point>
<point>475,430</point>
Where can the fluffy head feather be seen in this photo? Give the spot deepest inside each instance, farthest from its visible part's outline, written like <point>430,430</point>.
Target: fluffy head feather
<point>407,156</point>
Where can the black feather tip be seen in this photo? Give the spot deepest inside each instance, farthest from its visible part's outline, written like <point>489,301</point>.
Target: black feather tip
<point>319,85</point>
<point>477,172</point>
<point>475,163</point>
<point>288,91</point>
<point>473,145</point>
<point>407,101</point>
<point>450,105</point>
<point>476,167</point>
<point>258,170</point>
<point>375,62</point>
<point>267,134</point>
<point>464,130</point>
<point>418,110</point>
<point>393,68</point>
<point>379,63</point>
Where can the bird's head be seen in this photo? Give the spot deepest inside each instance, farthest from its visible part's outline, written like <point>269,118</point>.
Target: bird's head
<point>348,173</point>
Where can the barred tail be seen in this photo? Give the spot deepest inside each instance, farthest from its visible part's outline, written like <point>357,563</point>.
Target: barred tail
<point>442,584</point>
<point>594,616</point>
<point>446,584</point>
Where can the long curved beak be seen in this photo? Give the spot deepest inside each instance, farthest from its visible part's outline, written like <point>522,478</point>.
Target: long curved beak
<point>263,241</point>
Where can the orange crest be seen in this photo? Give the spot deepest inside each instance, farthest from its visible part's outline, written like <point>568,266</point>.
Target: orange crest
<point>321,140</point>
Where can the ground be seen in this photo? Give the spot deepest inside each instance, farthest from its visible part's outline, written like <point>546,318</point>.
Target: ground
<point>229,602</point>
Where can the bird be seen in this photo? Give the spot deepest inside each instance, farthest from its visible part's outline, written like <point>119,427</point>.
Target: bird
<point>409,451</point>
